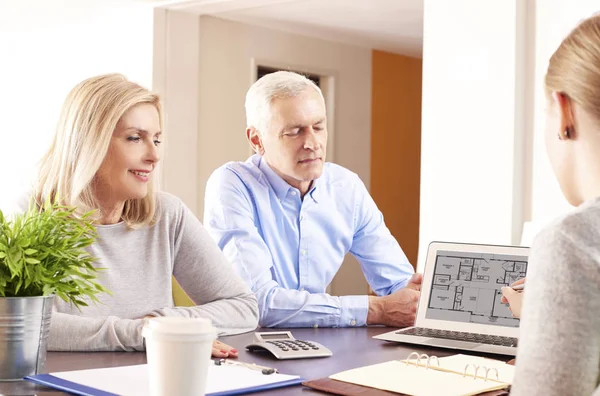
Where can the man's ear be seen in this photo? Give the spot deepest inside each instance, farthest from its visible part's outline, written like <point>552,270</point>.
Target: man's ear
<point>564,106</point>
<point>255,140</point>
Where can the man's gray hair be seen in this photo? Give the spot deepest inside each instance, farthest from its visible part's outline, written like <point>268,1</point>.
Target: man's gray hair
<point>277,85</point>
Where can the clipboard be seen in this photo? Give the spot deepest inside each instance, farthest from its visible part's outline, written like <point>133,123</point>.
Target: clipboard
<point>222,380</point>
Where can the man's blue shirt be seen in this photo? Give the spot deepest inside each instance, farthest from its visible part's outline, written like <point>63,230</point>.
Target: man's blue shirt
<point>288,249</point>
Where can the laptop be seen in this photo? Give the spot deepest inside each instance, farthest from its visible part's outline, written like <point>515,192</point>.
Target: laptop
<point>460,305</point>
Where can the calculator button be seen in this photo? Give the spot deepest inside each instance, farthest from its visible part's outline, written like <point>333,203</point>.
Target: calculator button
<point>295,349</point>
<point>305,348</point>
<point>315,348</point>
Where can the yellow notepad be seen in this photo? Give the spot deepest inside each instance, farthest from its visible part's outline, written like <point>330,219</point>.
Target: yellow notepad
<point>459,375</point>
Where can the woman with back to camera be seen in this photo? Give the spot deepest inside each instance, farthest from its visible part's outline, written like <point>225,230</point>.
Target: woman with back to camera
<point>103,158</point>
<point>559,344</point>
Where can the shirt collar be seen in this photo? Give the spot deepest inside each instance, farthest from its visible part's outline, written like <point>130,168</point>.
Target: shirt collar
<point>314,188</point>
<point>280,186</point>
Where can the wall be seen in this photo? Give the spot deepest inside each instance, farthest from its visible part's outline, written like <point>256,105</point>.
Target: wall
<point>46,49</point>
<point>226,54</point>
<point>488,106</point>
<point>554,20</point>
<point>175,76</point>
<point>473,123</point>
<point>396,145</point>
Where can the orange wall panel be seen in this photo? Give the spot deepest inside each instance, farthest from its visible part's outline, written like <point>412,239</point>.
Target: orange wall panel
<point>396,145</point>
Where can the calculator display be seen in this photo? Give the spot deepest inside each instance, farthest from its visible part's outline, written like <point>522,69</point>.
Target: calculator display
<point>277,336</point>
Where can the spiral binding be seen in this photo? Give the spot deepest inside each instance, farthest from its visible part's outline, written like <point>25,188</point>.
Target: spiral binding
<point>476,370</point>
<point>422,356</point>
<point>430,360</point>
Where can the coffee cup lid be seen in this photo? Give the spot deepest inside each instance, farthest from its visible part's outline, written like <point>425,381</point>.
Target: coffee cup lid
<point>179,325</point>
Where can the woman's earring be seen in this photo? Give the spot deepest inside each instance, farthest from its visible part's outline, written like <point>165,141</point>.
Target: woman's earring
<point>567,133</point>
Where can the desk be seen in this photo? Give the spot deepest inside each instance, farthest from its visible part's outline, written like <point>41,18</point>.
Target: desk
<point>351,347</point>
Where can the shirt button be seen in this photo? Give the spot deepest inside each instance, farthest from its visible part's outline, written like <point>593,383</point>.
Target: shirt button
<point>353,322</point>
<point>303,252</point>
<point>316,326</point>
<point>301,289</point>
<point>301,217</point>
<point>293,192</point>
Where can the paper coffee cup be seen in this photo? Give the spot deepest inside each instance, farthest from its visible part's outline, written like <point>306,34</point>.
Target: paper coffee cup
<point>178,351</point>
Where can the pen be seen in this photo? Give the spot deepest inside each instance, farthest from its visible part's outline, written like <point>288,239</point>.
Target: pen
<point>520,287</point>
<point>252,366</point>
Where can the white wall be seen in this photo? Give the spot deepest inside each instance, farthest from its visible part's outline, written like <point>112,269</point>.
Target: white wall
<point>225,56</point>
<point>46,48</point>
<point>554,20</point>
<point>175,78</point>
<point>472,125</point>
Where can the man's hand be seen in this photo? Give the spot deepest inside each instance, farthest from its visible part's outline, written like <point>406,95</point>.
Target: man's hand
<point>415,282</point>
<point>398,309</point>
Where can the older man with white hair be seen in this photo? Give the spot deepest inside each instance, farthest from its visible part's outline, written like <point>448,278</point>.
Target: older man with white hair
<point>286,218</point>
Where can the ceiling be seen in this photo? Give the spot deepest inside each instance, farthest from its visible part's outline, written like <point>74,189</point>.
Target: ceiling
<point>388,25</point>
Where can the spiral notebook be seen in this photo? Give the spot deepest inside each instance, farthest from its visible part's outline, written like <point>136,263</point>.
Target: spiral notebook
<point>459,375</point>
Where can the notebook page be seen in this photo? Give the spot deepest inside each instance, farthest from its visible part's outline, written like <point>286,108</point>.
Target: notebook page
<point>133,380</point>
<point>457,364</point>
<point>397,376</point>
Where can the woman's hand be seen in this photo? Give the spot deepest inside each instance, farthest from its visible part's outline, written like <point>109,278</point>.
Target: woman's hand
<point>513,298</point>
<point>223,350</point>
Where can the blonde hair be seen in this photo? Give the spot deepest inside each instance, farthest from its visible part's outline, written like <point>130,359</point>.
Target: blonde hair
<point>277,85</point>
<point>88,119</point>
<point>574,68</point>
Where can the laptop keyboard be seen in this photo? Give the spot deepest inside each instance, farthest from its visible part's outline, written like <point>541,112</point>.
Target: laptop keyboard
<point>461,336</point>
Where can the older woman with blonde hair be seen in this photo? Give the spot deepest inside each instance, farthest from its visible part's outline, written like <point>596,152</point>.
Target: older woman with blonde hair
<point>104,158</point>
<point>559,344</point>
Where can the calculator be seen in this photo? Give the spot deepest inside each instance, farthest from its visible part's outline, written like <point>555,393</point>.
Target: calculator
<point>283,345</point>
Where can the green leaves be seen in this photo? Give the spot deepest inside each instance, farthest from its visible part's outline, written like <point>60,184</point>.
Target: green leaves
<point>42,251</point>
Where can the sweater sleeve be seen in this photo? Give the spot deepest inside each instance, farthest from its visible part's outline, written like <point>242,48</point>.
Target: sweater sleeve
<point>209,279</point>
<point>559,344</point>
<point>79,333</point>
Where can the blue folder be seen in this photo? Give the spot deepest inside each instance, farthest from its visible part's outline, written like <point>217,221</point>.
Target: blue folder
<point>78,389</point>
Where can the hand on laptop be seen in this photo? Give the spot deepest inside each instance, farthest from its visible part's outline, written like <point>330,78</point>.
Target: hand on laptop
<point>398,309</point>
<point>513,298</point>
<point>415,282</point>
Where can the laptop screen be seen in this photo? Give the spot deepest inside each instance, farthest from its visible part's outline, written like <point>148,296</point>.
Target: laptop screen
<point>466,287</point>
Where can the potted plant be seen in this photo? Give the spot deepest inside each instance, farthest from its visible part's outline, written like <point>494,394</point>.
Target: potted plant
<point>42,255</point>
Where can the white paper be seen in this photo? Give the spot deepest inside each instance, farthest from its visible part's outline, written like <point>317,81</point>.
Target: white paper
<point>397,376</point>
<point>457,364</point>
<point>133,380</point>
